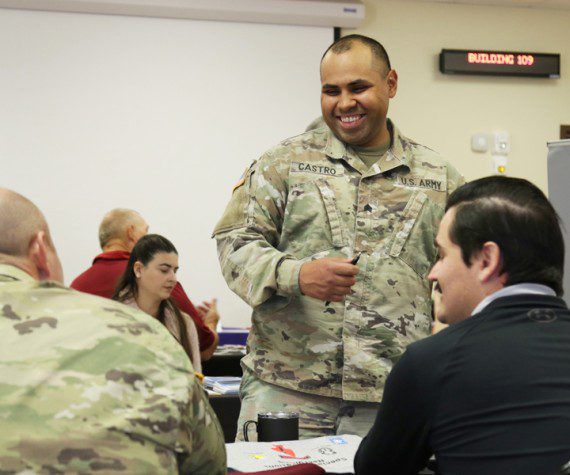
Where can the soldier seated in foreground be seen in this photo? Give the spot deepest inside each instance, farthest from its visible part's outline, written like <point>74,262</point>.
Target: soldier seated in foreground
<point>88,384</point>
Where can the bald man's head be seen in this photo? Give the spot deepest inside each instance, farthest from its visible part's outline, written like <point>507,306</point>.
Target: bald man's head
<point>25,239</point>
<point>20,220</point>
<point>121,228</point>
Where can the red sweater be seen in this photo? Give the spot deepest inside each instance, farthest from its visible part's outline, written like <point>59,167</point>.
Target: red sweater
<point>102,277</point>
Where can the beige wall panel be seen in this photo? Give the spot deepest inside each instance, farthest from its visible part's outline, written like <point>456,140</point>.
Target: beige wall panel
<point>443,111</point>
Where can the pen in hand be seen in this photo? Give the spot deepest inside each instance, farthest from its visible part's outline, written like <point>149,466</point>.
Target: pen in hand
<point>354,261</point>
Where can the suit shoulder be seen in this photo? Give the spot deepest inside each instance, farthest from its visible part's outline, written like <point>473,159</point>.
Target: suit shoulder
<point>434,346</point>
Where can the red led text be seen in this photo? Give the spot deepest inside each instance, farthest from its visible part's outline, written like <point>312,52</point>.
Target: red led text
<point>500,58</point>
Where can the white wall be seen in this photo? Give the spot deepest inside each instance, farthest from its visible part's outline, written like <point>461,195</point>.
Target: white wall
<point>163,115</point>
<point>158,115</point>
<point>443,111</point>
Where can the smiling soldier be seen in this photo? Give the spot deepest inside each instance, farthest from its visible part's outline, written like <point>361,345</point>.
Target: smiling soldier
<point>326,332</point>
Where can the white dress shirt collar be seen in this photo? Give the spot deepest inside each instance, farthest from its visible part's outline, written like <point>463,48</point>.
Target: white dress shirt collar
<point>517,289</point>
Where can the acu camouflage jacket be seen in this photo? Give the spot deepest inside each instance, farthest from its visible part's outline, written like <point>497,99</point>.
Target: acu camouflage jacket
<point>312,197</point>
<point>89,385</point>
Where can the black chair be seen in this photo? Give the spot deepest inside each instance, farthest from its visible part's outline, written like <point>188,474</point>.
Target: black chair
<point>227,409</point>
<point>223,365</point>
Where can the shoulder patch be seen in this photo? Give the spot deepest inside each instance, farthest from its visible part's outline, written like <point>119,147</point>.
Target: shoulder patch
<point>241,181</point>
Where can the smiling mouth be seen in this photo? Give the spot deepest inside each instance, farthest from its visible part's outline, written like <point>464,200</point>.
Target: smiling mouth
<point>351,121</point>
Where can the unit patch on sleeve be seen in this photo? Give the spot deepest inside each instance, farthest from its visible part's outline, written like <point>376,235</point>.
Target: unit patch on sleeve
<point>241,180</point>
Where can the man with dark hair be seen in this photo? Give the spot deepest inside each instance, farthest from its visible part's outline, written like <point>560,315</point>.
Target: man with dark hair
<point>520,220</point>
<point>89,385</point>
<point>119,231</point>
<point>329,237</point>
<point>496,398</point>
<point>379,53</point>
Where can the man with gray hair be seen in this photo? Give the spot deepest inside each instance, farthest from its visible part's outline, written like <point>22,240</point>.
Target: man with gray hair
<point>119,231</point>
<point>89,384</point>
<point>121,228</point>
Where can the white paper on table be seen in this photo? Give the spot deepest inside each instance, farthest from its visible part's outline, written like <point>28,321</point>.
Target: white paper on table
<point>333,453</point>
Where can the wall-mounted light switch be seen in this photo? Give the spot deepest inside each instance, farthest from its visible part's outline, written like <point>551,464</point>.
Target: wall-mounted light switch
<point>501,143</point>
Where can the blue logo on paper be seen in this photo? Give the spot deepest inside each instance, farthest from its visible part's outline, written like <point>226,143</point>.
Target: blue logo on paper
<point>338,440</point>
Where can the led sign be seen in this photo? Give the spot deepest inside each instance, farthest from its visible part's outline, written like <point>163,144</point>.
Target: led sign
<point>499,63</point>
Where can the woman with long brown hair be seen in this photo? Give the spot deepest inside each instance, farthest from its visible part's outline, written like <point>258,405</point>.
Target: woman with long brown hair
<point>147,283</point>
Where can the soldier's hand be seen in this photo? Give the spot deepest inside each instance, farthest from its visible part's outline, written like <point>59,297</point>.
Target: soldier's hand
<point>328,279</point>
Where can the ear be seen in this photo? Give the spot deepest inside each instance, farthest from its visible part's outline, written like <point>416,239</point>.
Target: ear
<point>392,80</point>
<point>137,268</point>
<point>38,255</point>
<point>489,263</point>
<point>130,232</point>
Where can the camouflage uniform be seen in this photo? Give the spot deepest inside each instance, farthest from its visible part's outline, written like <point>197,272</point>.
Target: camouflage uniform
<point>312,197</point>
<point>91,385</point>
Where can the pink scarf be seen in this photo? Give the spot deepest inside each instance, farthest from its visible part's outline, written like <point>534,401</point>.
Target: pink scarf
<point>174,327</point>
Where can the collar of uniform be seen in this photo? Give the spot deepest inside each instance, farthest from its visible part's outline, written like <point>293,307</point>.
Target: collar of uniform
<point>10,273</point>
<point>395,157</point>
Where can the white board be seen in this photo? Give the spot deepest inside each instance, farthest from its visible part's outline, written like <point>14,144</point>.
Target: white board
<point>158,115</point>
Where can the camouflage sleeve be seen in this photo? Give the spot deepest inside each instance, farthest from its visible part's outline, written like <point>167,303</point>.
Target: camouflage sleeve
<point>88,385</point>
<point>249,232</point>
<point>207,451</point>
<point>454,179</point>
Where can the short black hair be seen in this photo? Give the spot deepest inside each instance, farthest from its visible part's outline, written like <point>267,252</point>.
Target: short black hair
<point>517,216</point>
<point>345,43</point>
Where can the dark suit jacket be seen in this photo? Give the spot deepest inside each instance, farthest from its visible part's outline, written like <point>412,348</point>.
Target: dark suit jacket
<point>488,395</point>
